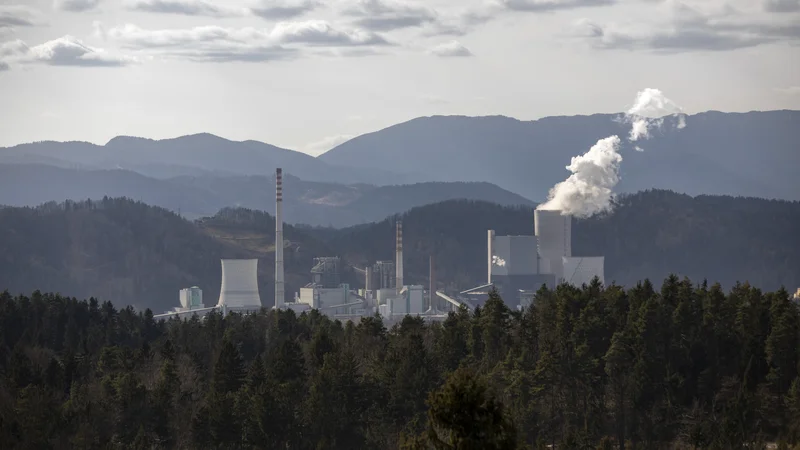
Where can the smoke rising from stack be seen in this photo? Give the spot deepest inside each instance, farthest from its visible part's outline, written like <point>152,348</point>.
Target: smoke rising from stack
<point>590,188</point>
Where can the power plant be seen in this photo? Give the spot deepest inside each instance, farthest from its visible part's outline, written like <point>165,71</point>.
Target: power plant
<point>517,266</point>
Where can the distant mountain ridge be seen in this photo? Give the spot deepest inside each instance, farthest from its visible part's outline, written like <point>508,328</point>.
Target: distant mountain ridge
<point>197,154</point>
<point>748,154</point>
<point>307,202</point>
<point>742,154</point>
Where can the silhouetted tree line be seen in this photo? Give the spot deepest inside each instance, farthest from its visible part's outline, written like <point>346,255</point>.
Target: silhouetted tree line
<point>687,366</point>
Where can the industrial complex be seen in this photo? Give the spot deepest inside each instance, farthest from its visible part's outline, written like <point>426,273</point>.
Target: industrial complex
<point>517,266</point>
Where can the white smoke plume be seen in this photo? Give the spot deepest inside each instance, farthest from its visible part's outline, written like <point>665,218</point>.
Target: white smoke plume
<point>498,261</point>
<point>649,110</point>
<point>590,188</point>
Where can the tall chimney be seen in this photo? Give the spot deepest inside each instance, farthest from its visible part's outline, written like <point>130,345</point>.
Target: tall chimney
<point>432,288</point>
<point>490,254</point>
<point>399,262</point>
<point>279,294</point>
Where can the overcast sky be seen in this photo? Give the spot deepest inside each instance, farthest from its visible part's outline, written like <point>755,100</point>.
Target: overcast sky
<point>307,74</point>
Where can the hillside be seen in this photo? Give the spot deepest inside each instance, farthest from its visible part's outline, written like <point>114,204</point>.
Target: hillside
<point>313,203</point>
<point>649,235</point>
<point>741,154</point>
<point>132,253</point>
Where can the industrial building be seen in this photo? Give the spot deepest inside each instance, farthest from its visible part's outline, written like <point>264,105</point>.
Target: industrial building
<point>517,266</point>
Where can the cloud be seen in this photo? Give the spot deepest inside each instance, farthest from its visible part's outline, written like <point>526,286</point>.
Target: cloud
<point>186,7</point>
<point>16,16</point>
<point>451,49</point>
<point>64,51</point>
<point>386,15</point>
<point>75,5</point>
<point>320,32</point>
<point>220,44</point>
<point>782,6</point>
<point>323,145</point>
<point>551,5</point>
<point>791,90</point>
<point>687,29</point>
<point>283,9</point>
<point>4,66</point>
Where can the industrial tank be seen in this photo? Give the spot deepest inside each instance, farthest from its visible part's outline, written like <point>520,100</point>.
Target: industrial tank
<point>239,284</point>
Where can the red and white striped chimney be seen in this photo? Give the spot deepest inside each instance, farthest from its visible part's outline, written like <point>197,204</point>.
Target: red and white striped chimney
<point>279,293</point>
<point>398,265</point>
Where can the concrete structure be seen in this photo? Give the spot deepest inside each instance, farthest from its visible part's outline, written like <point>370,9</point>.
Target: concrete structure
<point>325,272</point>
<point>580,270</point>
<point>553,233</point>
<point>280,296</point>
<point>239,290</point>
<point>191,298</point>
<point>517,266</point>
<point>381,276</point>
<point>410,301</point>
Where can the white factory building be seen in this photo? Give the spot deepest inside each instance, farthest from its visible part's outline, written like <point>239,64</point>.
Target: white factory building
<point>519,265</point>
<point>385,292</point>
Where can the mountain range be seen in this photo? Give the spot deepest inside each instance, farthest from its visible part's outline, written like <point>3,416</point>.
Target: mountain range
<point>751,154</point>
<point>306,202</point>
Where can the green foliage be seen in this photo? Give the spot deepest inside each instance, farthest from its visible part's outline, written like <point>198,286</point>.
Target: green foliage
<point>686,366</point>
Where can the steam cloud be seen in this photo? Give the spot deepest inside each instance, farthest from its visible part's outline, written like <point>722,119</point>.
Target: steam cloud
<point>589,190</point>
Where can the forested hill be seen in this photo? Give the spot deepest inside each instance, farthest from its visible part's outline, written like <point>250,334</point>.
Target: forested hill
<point>131,253</point>
<point>648,235</point>
<point>684,366</point>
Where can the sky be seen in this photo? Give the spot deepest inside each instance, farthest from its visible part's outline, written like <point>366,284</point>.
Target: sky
<point>307,74</point>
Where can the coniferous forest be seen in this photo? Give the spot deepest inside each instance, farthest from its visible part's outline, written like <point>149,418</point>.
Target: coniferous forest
<point>687,366</point>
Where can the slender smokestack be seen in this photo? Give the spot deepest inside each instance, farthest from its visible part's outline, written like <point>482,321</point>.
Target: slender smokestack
<point>432,288</point>
<point>279,294</point>
<point>490,245</point>
<point>399,263</point>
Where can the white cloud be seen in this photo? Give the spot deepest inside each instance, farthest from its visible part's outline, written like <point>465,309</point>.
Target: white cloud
<point>4,66</point>
<point>451,49</point>
<point>386,15</point>
<point>323,145</point>
<point>75,5</point>
<point>791,90</point>
<point>320,32</point>
<point>283,9</point>
<point>64,51</point>
<point>684,28</point>
<point>782,6</point>
<point>17,16</point>
<point>186,7</point>
<point>219,44</point>
<point>551,5</point>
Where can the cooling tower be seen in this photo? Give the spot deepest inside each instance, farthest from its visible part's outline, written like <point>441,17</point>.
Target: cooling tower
<point>239,284</point>
<point>554,240</point>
